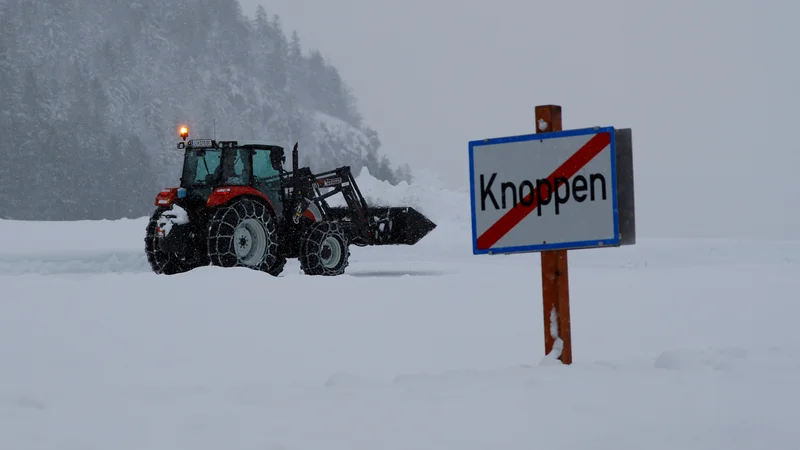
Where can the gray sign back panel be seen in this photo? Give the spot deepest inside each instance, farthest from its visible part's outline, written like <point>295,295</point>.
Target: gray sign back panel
<point>625,197</point>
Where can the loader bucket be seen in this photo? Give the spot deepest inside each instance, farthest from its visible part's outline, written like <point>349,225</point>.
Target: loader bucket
<point>399,225</point>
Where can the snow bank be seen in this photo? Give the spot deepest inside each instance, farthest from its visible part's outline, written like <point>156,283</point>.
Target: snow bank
<point>689,359</point>
<point>49,237</point>
<point>426,193</point>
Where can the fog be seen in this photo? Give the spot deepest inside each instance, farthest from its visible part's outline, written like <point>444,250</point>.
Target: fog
<point>708,88</point>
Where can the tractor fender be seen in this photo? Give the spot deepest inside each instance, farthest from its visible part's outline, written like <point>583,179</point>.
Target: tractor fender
<point>225,194</point>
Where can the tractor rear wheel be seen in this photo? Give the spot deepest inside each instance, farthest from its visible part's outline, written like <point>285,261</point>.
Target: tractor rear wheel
<point>243,233</point>
<point>325,250</point>
<point>162,262</point>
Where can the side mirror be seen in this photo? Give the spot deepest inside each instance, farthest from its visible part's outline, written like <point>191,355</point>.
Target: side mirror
<point>181,145</point>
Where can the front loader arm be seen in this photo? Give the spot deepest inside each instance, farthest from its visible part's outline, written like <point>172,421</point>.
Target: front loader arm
<point>341,180</point>
<point>371,225</point>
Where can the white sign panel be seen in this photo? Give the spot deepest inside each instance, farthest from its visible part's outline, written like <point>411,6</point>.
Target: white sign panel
<point>544,192</point>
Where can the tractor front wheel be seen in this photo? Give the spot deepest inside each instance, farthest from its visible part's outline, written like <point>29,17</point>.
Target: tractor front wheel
<point>324,250</point>
<point>161,261</point>
<point>244,234</point>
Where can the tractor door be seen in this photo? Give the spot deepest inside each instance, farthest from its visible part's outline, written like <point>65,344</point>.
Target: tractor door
<point>267,179</point>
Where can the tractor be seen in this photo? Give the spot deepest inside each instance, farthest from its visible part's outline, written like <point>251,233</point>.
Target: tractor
<point>237,206</point>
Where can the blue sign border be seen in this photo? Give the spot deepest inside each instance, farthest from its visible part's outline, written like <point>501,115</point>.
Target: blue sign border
<point>560,245</point>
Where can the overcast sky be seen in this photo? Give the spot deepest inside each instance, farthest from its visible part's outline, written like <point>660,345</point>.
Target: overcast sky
<point>708,87</point>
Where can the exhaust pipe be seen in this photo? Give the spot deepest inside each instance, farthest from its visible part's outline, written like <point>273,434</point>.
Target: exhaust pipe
<point>295,159</point>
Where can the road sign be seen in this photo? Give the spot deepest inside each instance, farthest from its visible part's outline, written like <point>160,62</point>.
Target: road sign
<point>544,191</point>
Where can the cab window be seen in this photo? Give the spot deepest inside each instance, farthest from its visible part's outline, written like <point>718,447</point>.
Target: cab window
<point>236,172</point>
<point>262,165</point>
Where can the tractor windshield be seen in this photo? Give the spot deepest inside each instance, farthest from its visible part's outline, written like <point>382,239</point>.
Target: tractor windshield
<point>216,167</point>
<point>201,166</point>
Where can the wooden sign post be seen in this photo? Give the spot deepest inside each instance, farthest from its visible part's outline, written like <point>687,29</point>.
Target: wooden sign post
<point>555,270</point>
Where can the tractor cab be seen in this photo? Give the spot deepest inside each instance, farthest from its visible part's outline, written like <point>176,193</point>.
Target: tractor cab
<point>209,165</point>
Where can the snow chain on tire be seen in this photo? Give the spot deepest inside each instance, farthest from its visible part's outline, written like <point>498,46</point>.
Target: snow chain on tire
<point>324,250</point>
<point>244,234</point>
<point>160,261</point>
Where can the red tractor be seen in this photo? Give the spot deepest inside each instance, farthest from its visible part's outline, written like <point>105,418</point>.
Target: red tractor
<point>238,207</point>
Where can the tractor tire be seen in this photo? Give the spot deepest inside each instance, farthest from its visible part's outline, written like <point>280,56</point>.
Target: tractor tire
<point>162,262</point>
<point>278,267</point>
<point>244,234</point>
<point>324,250</point>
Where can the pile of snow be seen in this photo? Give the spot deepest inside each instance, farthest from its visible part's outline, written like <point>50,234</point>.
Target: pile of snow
<point>716,359</point>
<point>51,238</point>
<point>426,193</point>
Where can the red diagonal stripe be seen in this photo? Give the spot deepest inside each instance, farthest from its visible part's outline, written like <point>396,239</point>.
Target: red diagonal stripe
<point>567,170</point>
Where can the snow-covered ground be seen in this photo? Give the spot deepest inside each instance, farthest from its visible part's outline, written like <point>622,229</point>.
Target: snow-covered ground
<point>678,344</point>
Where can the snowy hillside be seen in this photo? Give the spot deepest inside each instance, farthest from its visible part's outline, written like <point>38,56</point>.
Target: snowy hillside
<point>104,85</point>
<point>335,143</point>
<point>678,344</point>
